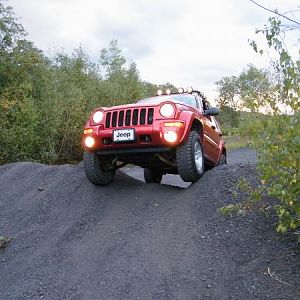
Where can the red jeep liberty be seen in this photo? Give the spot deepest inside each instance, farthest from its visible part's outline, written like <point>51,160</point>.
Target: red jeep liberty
<point>172,133</point>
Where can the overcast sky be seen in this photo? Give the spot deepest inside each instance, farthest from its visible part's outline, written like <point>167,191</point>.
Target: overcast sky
<point>185,42</point>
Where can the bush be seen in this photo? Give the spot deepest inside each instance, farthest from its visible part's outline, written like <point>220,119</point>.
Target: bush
<point>276,138</point>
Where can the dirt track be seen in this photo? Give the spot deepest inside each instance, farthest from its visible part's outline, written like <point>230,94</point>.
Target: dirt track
<point>72,240</point>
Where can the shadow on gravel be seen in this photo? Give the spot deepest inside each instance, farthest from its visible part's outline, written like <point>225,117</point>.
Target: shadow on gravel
<point>238,156</point>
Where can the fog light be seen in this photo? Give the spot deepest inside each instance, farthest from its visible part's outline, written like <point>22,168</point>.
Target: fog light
<point>89,141</point>
<point>170,136</point>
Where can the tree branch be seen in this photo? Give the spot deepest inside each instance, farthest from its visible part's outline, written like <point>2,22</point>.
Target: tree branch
<point>275,12</point>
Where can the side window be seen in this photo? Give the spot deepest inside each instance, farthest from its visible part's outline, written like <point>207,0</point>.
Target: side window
<point>216,124</point>
<point>205,107</point>
<point>199,103</point>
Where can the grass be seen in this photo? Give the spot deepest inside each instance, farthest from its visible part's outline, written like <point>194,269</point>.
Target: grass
<point>237,142</point>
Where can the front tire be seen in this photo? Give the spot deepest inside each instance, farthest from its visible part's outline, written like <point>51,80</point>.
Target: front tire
<point>190,158</point>
<point>152,176</point>
<point>97,171</point>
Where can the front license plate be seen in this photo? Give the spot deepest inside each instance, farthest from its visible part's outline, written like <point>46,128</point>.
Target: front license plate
<point>124,135</point>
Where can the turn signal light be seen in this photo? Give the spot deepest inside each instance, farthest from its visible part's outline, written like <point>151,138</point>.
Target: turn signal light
<point>88,131</point>
<point>174,124</point>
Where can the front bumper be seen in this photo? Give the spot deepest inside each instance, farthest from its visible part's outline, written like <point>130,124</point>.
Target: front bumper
<point>149,138</point>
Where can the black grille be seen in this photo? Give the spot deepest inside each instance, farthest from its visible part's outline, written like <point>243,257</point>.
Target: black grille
<point>129,117</point>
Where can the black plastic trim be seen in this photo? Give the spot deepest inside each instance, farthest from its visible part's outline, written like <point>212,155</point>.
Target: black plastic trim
<point>134,150</point>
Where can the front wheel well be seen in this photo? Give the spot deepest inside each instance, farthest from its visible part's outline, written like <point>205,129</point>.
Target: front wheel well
<point>198,127</point>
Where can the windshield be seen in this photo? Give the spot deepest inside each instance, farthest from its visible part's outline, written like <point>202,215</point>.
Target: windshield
<point>185,99</point>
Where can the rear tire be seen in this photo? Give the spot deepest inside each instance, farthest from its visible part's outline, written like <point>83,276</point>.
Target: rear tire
<point>190,158</point>
<point>152,176</point>
<point>97,171</point>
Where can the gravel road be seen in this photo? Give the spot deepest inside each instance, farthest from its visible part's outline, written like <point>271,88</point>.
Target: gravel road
<point>129,240</point>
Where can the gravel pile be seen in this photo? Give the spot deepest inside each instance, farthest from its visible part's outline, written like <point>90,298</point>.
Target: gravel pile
<point>129,240</point>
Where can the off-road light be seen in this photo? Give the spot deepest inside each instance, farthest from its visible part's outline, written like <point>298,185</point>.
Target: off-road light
<point>159,92</point>
<point>189,89</point>
<point>89,141</point>
<point>168,91</point>
<point>167,110</point>
<point>170,136</point>
<point>180,90</point>
<point>98,116</point>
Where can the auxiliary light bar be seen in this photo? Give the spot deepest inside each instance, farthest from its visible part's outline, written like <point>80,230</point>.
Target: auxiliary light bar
<point>179,91</point>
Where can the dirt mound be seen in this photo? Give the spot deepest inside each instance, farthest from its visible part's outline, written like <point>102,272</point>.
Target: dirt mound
<point>129,240</point>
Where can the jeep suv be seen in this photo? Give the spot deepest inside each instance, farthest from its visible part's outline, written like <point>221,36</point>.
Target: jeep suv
<point>171,133</point>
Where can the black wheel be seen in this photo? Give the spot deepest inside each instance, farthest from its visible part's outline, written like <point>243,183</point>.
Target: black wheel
<point>98,171</point>
<point>222,160</point>
<point>152,176</point>
<point>190,158</point>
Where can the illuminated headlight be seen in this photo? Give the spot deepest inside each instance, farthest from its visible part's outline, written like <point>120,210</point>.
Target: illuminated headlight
<point>168,91</point>
<point>98,116</point>
<point>89,141</point>
<point>159,92</point>
<point>180,90</point>
<point>170,136</point>
<point>167,110</point>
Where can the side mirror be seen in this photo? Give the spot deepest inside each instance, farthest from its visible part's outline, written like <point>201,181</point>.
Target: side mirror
<point>212,111</point>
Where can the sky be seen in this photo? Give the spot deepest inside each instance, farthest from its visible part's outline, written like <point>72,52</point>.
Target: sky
<point>185,42</point>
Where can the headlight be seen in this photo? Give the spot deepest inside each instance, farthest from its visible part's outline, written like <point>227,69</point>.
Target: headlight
<point>167,110</point>
<point>98,116</point>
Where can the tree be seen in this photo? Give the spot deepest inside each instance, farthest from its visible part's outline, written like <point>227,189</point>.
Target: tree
<point>45,101</point>
<point>111,60</point>
<point>10,30</point>
<point>229,100</point>
<point>256,89</point>
<point>251,90</point>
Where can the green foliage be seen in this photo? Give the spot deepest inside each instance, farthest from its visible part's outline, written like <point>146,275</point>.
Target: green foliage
<point>248,91</point>
<point>44,102</point>
<point>276,139</point>
<point>228,88</point>
<point>278,144</point>
<point>256,88</point>
<point>252,199</point>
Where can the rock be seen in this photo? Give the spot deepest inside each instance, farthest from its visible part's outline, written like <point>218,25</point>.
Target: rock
<point>4,241</point>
